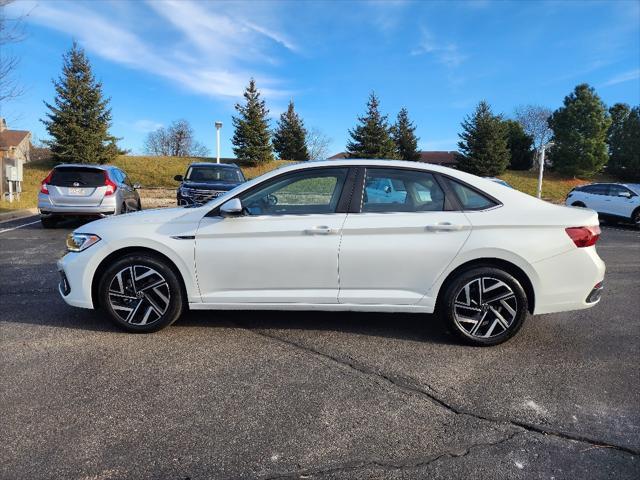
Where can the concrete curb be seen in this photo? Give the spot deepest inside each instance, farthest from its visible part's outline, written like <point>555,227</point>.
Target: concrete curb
<point>26,212</point>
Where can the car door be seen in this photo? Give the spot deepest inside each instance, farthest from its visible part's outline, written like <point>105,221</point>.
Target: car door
<point>283,249</point>
<point>132,195</point>
<point>392,252</point>
<point>621,201</point>
<point>595,197</point>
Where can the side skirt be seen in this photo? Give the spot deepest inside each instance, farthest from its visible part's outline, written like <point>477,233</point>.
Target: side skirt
<point>327,307</point>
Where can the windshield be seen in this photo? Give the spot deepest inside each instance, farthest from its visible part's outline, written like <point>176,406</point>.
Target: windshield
<point>209,173</point>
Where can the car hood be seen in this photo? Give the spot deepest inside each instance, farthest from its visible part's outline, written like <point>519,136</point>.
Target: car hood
<point>161,221</point>
<point>211,185</point>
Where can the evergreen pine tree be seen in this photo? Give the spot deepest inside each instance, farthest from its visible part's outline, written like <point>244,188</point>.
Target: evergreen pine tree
<point>519,145</point>
<point>624,142</point>
<point>79,119</point>
<point>403,134</point>
<point>580,132</point>
<point>290,137</point>
<point>371,138</point>
<point>615,136</point>
<point>251,138</point>
<point>483,143</point>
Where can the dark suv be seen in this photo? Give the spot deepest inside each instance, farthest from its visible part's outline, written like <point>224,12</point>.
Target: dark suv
<point>205,181</point>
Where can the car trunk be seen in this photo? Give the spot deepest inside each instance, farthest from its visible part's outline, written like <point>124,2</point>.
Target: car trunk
<point>77,186</point>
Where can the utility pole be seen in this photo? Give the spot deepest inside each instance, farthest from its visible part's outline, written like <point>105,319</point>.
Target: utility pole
<point>218,127</point>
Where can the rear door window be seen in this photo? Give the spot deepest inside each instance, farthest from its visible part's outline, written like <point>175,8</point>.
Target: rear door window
<point>401,190</point>
<point>469,198</point>
<point>77,177</point>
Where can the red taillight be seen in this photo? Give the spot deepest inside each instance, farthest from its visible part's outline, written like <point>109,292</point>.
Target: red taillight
<point>43,187</point>
<point>111,187</point>
<point>584,236</point>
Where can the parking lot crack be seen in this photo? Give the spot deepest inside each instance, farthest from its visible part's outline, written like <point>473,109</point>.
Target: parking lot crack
<point>425,391</point>
<point>414,463</point>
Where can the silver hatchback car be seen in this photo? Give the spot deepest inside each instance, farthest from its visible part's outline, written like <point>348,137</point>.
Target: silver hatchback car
<point>86,190</point>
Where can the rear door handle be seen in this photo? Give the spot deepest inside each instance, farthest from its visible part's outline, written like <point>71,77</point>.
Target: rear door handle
<point>320,230</point>
<point>444,227</point>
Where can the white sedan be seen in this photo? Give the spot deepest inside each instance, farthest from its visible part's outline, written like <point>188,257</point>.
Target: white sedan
<point>310,237</point>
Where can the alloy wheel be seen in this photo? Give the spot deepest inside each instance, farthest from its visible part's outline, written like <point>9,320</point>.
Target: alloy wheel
<point>139,295</point>
<point>485,307</point>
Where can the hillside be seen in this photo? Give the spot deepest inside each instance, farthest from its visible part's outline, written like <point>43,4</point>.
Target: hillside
<point>158,172</point>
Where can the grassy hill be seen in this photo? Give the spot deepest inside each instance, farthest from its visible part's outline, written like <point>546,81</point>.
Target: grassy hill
<point>153,172</point>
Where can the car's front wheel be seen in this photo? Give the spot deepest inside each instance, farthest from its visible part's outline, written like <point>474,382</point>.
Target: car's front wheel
<point>141,293</point>
<point>484,306</point>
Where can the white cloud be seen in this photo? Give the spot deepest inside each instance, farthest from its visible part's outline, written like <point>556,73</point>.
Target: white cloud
<point>623,77</point>
<point>448,54</point>
<point>146,126</point>
<point>215,54</point>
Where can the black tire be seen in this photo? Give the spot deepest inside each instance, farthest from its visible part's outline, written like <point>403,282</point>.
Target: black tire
<point>139,207</point>
<point>123,209</point>
<point>635,217</point>
<point>152,305</point>
<point>494,315</point>
<point>578,204</point>
<point>48,222</point>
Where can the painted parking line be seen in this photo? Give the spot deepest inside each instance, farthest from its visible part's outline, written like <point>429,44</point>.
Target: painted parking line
<point>19,226</point>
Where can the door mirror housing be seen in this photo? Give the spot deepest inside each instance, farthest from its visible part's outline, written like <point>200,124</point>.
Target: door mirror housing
<point>178,178</point>
<point>625,194</point>
<point>231,208</point>
<point>137,186</point>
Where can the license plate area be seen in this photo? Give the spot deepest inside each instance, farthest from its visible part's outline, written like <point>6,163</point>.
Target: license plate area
<point>76,191</point>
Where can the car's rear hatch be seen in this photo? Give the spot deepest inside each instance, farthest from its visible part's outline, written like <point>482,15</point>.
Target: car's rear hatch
<point>77,186</point>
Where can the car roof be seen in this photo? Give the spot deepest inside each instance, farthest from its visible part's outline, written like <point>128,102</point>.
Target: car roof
<point>213,164</point>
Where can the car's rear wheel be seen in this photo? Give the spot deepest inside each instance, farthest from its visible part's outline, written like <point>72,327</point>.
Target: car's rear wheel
<point>48,222</point>
<point>635,217</point>
<point>141,293</point>
<point>484,306</point>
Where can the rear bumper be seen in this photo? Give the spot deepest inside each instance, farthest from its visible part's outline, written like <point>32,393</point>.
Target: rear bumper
<point>570,281</point>
<point>107,207</point>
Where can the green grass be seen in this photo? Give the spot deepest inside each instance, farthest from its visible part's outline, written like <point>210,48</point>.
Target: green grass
<point>555,187</point>
<point>159,172</point>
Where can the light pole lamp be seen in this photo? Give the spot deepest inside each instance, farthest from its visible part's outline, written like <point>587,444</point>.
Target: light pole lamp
<point>218,127</point>
<point>541,172</point>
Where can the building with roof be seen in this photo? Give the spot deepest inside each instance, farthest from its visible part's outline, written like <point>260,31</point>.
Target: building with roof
<point>15,148</point>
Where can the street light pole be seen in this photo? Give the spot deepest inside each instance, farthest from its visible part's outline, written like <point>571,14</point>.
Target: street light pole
<point>218,127</point>
<point>541,172</point>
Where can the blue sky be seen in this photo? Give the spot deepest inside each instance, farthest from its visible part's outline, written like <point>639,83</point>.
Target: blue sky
<point>164,60</point>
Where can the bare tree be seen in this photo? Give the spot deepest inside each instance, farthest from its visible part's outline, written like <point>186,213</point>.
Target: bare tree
<point>175,141</point>
<point>11,31</point>
<point>534,121</point>
<point>318,144</point>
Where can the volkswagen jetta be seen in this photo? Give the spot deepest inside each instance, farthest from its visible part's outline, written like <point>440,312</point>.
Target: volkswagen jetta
<point>357,235</point>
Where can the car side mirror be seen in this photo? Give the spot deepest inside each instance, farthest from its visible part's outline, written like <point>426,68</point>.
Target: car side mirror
<point>387,189</point>
<point>232,208</point>
<point>178,178</point>
<point>625,194</point>
<point>137,186</point>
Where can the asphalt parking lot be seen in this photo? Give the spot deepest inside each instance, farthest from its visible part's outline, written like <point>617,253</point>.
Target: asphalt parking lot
<point>312,395</point>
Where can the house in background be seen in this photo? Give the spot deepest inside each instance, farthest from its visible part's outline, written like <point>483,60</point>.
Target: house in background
<point>446,159</point>
<point>15,149</point>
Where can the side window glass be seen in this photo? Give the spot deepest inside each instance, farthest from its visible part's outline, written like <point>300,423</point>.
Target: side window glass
<point>303,193</point>
<point>470,198</point>
<point>391,190</point>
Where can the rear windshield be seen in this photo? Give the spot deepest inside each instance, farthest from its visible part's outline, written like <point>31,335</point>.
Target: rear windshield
<point>212,174</point>
<point>83,177</point>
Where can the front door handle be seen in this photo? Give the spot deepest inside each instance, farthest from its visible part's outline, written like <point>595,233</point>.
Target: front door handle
<point>444,227</point>
<point>320,230</point>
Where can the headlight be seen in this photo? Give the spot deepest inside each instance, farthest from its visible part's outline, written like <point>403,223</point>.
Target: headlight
<point>185,191</point>
<point>77,242</point>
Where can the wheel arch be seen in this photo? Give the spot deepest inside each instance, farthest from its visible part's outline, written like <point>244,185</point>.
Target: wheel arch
<point>104,264</point>
<point>505,265</point>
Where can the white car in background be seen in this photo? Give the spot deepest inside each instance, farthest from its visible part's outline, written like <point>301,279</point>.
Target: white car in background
<point>612,201</point>
<point>316,236</point>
